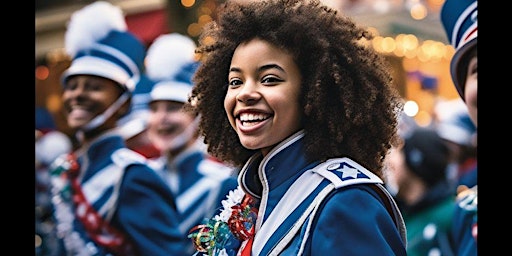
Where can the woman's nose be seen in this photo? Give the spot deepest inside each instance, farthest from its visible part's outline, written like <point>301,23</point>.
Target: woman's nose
<point>248,93</point>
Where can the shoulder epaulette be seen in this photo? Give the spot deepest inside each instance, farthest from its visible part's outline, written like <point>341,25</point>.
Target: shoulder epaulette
<point>344,171</point>
<point>124,157</point>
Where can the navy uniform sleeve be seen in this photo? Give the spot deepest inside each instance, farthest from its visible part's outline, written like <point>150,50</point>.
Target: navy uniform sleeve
<point>147,213</point>
<point>354,221</point>
<point>465,223</point>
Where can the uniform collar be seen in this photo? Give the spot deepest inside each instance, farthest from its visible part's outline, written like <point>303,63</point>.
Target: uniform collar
<point>103,145</point>
<point>282,163</point>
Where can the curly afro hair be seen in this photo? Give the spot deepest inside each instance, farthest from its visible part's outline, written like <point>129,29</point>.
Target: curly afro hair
<point>349,105</point>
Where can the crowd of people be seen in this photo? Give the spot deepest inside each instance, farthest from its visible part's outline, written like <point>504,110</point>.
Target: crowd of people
<point>252,143</point>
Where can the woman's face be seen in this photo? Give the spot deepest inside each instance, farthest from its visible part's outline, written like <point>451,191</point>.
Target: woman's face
<point>470,91</point>
<point>167,122</point>
<point>262,101</point>
<point>86,96</point>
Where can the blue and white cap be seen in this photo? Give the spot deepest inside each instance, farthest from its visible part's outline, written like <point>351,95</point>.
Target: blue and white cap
<point>459,19</point>
<point>171,91</point>
<point>458,128</point>
<point>140,95</point>
<point>99,44</point>
<point>171,63</point>
<point>135,121</point>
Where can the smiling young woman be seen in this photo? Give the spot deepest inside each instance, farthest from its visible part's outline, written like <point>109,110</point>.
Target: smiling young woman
<point>262,100</point>
<point>288,92</point>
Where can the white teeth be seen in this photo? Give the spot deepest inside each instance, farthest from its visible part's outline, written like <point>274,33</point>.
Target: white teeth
<point>252,117</point>
<point>78,107</point>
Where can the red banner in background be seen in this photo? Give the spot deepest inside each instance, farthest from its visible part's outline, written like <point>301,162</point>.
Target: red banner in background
<point>148,25</point>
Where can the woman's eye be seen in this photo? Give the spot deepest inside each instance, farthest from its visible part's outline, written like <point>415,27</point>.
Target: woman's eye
<point>69,86</point>
<point>270,80</point>
<point>473,69</point>
<point>235,82</point>
<point>173,108</point>
<point>94,87</point>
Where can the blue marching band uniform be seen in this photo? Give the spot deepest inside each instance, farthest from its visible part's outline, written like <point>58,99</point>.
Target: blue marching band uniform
<point>104,192</point>
<point>306,205</point>
<point>107,200</point>
<point>199,183</point>
<point>465,226</point>
<point>460,22</point>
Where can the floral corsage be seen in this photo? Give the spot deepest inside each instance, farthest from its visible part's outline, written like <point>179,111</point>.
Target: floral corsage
<point>233,225</point>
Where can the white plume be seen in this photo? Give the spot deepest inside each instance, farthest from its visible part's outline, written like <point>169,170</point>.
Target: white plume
<point>167,54</point>
<point>51,145</point>
<point>92,23</point>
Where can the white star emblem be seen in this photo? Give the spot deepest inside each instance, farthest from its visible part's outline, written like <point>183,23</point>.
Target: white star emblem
<point>348,172</point>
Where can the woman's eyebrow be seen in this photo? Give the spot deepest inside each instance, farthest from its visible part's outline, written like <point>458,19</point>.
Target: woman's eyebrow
<point>262,68</point>
<point>270,66</point>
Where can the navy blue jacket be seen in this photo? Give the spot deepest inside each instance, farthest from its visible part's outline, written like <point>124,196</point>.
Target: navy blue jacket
<point>199,183</point>
<point>127,193</point>
<point>351,220</point>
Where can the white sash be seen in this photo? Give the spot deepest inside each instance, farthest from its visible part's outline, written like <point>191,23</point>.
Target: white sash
<point>108,177</point>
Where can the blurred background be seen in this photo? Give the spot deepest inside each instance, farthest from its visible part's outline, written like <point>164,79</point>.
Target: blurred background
<point>409,34</point>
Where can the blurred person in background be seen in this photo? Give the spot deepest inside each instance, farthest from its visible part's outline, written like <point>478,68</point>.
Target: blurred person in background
<point>460,21</point>
<point>459,133</point>
<point>406,124</point>
<point>198,181</point>
<point>107,200</point>
<point>50,144</point>
<point>133,126</point>
<point>423,191</point>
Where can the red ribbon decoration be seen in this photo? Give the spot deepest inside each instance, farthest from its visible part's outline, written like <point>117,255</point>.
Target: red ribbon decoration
<point>211,236</point>
<point>203,240</point>
<point>247,249</point>
<point>98,229</point>
<point>243,217</point>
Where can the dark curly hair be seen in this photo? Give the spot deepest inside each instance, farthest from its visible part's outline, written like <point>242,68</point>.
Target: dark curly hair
<point>349,105</point>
